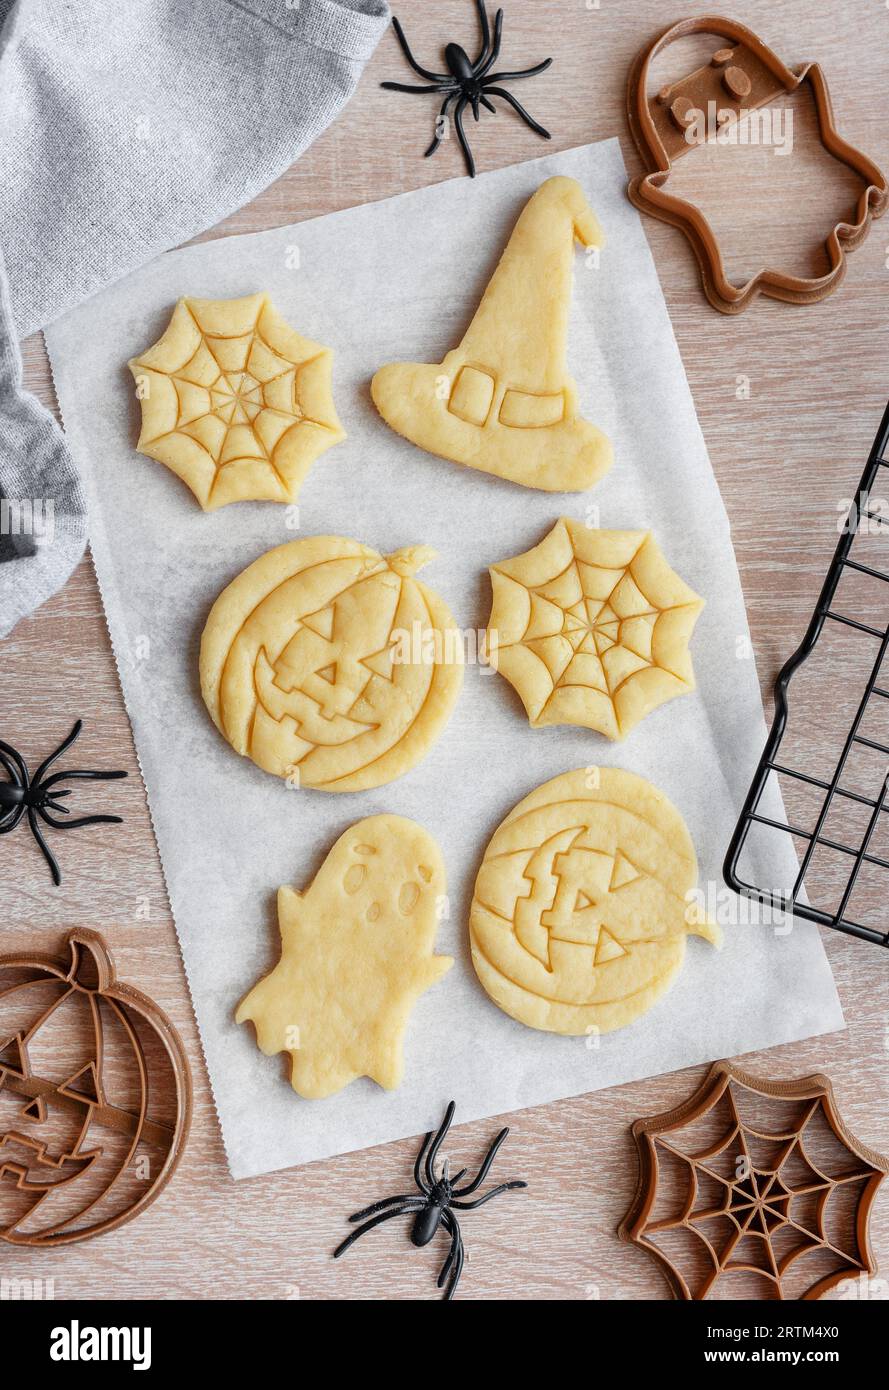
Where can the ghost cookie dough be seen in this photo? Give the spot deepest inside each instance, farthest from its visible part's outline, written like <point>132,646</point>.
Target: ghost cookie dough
<point>581,910</point>
<point>235,402</point>
<point>502,401</point>
<point>356,953</point>
<point>330,665</point>
<point>592,628</point>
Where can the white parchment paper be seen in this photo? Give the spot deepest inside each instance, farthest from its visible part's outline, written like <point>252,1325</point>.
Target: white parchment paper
<point>401,279</point>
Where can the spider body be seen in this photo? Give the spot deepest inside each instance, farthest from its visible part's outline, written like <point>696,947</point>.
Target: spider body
<point>440,1196</point>
<point>468,83</point>
<point>40,795</point>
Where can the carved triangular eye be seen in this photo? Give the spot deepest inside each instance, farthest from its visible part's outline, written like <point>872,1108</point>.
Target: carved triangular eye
<point>623,872</point>
<point>83,1085</point>
<point>14,1056</point>
<point>608,948</point>
<point>321,623</point>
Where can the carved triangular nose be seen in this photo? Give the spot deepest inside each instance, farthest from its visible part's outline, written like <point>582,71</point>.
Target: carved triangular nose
<point>14,1056</point>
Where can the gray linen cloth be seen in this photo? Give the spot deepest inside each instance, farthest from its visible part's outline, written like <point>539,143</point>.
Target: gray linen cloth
<point>126,129</point>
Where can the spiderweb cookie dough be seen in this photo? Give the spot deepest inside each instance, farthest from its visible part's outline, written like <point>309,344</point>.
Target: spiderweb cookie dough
<point>503,401</point>
<point>331,665</point>
<point>579,916</point>
<point>235,402</point>
<point>356,953</point>
<point>592,627</point>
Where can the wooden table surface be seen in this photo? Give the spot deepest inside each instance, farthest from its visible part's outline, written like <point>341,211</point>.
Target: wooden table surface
<point>788,399</point>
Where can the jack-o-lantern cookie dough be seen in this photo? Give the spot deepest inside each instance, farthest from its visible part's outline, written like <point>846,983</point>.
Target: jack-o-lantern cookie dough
<point>581,910</point>
<point>503,401</point>
<point>235,402</point>
<point>592,627</point>
<point>331,665</point>
<point>356,953</point>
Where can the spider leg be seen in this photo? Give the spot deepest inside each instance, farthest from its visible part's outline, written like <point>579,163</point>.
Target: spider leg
<point>486,35</point>
<point>15,814</point>
<point>520,110</point>
<point>74,824</point>
<point>461,136</point>
<point>485,1166</point>
<point>523,72</point>
<point>437,140</point>
<point>439,1137</point>
<point>406,50</point>
<point>489,105</point>
<point>495,50</point>
<point>381,1206</point>
<point>62,748</point>
<point>47,852</point>
<point>450,1225</point>
<point>495,1191</point>
<point>409,87</point>
<point>368,1226</point>
<point>455,1256</point>
<point>14,763</point>
<point>82,774</point>
<point>418,1174</point>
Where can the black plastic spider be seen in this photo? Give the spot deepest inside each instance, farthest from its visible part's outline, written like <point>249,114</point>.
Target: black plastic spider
<point>37,795</point>
<point>439,1199</point>
<point>468,83</point>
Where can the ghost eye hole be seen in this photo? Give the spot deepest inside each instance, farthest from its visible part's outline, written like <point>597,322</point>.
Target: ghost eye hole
<point>354,877</point>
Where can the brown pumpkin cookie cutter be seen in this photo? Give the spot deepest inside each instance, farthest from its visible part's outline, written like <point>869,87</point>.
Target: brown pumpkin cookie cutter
<point>755,1200</point>
<point>741,77</point>
<point>95,1096</point>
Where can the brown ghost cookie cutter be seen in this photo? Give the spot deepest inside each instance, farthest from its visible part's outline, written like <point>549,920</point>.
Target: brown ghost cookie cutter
<point>741,77</point>
<point>95,1096</point>
<point>756,1199</point>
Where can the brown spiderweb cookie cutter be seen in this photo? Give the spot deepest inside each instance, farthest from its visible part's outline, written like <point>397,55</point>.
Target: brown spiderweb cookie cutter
<point>740,78</point>
<point>95,1096</point>
<point>755,1200</point>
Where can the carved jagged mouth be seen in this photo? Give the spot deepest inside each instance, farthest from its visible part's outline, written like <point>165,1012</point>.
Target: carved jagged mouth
<point>28,1163</point>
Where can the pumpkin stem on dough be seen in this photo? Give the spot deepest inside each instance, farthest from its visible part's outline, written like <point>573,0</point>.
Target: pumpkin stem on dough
<point>409,559</point>
<point>707,929</point>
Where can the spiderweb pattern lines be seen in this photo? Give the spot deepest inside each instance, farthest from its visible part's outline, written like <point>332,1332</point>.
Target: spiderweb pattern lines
<point>755,1200</point>
<point>592,628</point>
<point>234,401</point>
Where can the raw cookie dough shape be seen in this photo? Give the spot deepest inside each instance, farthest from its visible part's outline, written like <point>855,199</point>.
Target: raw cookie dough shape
<point>581,910</point>
<point>235,402</point>
<point>502,401</point>
<point>331,665</point>
<point>766,1175</point>
<point>592,627</point>
<point>356,953</point>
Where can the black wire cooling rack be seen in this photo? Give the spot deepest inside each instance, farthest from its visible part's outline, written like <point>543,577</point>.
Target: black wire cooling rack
<point>859,854</point>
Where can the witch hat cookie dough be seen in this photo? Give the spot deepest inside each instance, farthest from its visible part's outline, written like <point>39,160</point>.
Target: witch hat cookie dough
<point>592,627</point>
<point>357,951</point>
<point>582,903</point>
<point>331,665</point>
<point>235,402</point>
<point>502,400</point>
